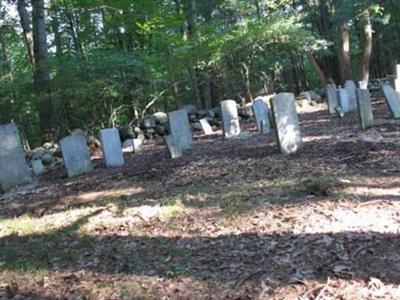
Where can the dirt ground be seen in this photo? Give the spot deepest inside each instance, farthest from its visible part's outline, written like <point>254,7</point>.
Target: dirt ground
<point>232,219</point>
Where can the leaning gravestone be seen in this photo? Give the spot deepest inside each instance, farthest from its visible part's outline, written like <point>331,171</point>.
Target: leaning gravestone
<point>180,128</point>
<point>206,126</point>
<point>344,100</point>
<point>230,119</point>
<point>392,99</point>
<point>332,97</point>
<point>364,105</point>
<point>351,92</point>
<point>173,146</point>
<point>397,79</point>
<point>261,114</point>
<point>111,146</point>
<point>14,170</point>
<point>76,155</point>
<point>286,122</point>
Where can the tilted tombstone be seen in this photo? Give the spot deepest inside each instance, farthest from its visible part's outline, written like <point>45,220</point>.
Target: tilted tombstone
<point>397,79</point>
<point>351,92</point>
<point>392,99</point>
<point>286,122</point>
<point>180,128</point>
<point>111,146</point>
<point>230,119</point>
<point>364,105</point>
<point>76,155</point>
<point>344,100</point>
<point>332,98</point>
<point>173,146</point>
<point>14,170</point>
<point>261,114</point>
<point>206,126</point>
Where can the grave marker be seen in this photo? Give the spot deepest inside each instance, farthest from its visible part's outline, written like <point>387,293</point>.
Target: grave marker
<point>392,99</point>
<point>14,170</point>
<point>111,146</point>
<point>344,100</point>
<point>206,126</point>
<point>397,79</point>
<point>180,128</point>
<point>173,146</point>
<point>351,92</point>
<point>332,98</point>
<point>76,155</point>
<point>364,105</point>
<point>286,122</point>
<point>261,114</point>
<point>230,118</point>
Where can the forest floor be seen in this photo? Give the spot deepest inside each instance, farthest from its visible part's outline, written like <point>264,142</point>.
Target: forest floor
<point>229,220</point>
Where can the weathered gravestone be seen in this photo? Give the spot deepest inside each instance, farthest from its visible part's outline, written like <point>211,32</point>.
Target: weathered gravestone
<point>397,79</point>
<point>76,155</point>
<point>111,146</point>
<point>173,146</point>
<point>286,122</point>
<point>344,100</point>
<point>14,170</point>
<point>364,105</point>
<point>206,126</point>
<point>332,97</point>
<point>351,92</point>
<point>261,114</point>
<point>230,119</point>
<point>363,84</point>
<point>180,128</point>
<point>392,99</point>
<point>133,145</point>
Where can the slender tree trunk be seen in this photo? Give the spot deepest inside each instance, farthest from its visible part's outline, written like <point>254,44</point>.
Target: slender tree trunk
<point>366,36</point>
<point>26,29</point>
<point>344,51</point>
<point>322,77</point>
<point>41,75</point>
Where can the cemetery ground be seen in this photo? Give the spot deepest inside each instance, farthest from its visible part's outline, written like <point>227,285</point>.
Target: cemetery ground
<point>231,219</point>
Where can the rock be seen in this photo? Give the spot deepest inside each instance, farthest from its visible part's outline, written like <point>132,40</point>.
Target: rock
<point>47,159</point>
<point>160,130</point>
<point>315,97</point>
<point>138,131</point>
<point>216,111</point>
<point>190,109</point>
<point>246,112</point>
<point>48,146</point>
<point>149,122</point>
<point>150,130</point>
<point>126,132</point>
<point>38,167</point>
<point>161,118</point>
<point>78,131</point>
<point>201,114</point>
<point>305,96</point>
<point>210,113</point>
<point>38,153</point>
<point>196,126</point>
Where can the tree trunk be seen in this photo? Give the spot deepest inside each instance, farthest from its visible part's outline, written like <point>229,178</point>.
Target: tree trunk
<point>26,29</point>
<point>366,36</point>
<point>344,51</point>
<point>41,75</point>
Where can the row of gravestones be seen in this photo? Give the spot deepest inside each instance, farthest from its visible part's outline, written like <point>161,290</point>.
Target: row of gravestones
<point>350,98</point>
<point>283,117</point>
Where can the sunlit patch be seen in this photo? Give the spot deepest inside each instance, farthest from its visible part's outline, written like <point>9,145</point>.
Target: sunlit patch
<point>91,196</point>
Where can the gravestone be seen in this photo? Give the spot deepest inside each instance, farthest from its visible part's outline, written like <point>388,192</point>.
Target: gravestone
<point>286,122</point>
<point>180,128</point>
<point>261,114</point>
<point>133,145</point>
<point>332,97</point>
<point>344,100</point>
<point>363,84</point>
<point>364,105</point>
<point>76,155</point>
<point>230,118</point>
<point>392,99</point>
<point>173,146</point>
<point>38,167</point>
<point>351,92</point>
<point>206,126</point>
<point>111,146</point>
<point>14,170</point>
<point>397,79</point>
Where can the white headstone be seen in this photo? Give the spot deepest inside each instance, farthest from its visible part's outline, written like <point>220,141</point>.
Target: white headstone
<point>363,84</point>
<point>286,122</point>
<point>111,146</point>
<point>331,97</point>
<point>261,114</point>
<point>180,128</point>
<point>230,118</point>
<point>392,99</point>
<point>76,155</point>
<point>14,170</point>
<point>351,92</point>
<point>206,126</point>
<point>344,100</point>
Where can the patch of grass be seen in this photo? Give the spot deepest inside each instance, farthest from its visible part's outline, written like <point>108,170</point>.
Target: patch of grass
<point>318,186</point>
